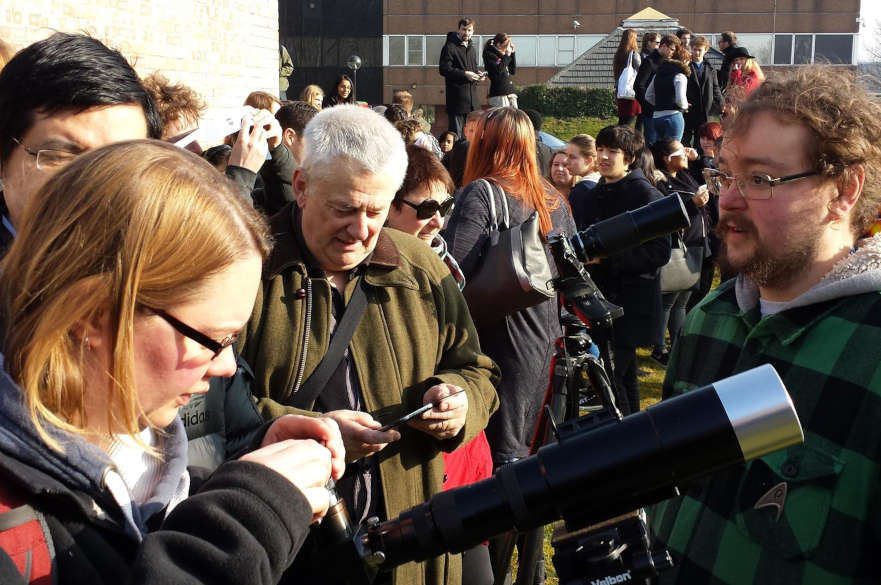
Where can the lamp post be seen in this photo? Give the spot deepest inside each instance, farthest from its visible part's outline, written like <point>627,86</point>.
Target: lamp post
<point>354,63</point>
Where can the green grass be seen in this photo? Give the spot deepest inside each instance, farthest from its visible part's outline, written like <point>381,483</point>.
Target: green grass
<point>566,128</point>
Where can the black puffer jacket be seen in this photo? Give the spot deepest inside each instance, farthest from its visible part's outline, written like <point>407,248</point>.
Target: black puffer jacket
<point>455,59</point>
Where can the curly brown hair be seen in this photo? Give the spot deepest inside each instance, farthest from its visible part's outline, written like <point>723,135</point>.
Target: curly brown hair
<point>409,129</point>
<point>175,101</point>
<point>844,119</point>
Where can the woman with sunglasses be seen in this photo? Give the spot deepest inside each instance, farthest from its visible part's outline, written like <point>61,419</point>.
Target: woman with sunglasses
<point>522,344</point>
<point>420,207</point>
<point>129,279</point>
<point>671,158</point>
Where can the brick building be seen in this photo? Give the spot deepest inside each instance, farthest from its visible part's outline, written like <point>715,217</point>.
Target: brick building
<point>223,50</point>
<point>550,35</point>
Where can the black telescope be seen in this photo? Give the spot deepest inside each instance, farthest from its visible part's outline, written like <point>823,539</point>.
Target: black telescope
<point>631,228</point>
<point>596,473</point>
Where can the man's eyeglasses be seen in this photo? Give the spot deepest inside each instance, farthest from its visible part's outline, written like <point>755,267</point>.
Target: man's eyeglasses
<point>216,346</point>
<point>755,186</point>
<point>429,207</point>
<point>47,159</point>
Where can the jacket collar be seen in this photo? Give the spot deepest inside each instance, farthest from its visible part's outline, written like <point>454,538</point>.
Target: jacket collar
<point>80,472</point>
<point>290,250</point>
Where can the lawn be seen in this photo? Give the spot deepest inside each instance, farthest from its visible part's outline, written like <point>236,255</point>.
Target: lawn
<point>566,128</point>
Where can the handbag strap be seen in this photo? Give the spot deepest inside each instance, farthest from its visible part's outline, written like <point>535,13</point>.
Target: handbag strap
<point>506,218</point>
<point>342,335</point>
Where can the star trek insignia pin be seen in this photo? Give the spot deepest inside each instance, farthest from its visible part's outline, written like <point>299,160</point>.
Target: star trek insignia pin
<point>776,497</point>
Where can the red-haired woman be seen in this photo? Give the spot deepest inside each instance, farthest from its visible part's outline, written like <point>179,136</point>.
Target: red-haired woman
<point>522,344</point>
<point>626,56</point>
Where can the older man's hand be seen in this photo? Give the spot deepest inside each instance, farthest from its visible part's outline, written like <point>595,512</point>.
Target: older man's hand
<point>361,434</point>
<point>447,418</point>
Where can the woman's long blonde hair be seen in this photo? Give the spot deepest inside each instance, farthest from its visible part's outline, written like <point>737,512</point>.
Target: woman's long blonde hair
<point>503,150</point>
<point>130,225</point>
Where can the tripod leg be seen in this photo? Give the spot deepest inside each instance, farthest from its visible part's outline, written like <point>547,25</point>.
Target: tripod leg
<point>501,549</point>
<point>530,555</point>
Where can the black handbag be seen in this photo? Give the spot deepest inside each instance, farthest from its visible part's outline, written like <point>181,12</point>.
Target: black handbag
<point>514,273</point>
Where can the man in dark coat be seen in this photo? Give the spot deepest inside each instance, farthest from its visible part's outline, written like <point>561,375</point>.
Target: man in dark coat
<point>630,279</point>
<point>458,65</point>
<point>703,93</point>
<point>727,43</point>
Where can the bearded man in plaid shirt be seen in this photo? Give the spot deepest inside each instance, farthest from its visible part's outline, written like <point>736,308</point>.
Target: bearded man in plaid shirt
<point>799,181</point>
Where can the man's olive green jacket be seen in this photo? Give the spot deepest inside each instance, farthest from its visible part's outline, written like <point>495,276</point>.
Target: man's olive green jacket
<point>416,332</point>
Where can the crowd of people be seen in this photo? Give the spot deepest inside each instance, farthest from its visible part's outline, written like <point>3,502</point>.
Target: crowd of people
<point>198,342</point>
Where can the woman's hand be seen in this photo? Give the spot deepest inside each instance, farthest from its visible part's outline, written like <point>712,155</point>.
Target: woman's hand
<point>304,463</point>
<point>323,430</point>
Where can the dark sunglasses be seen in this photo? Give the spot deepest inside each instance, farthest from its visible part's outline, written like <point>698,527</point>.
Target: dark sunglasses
<point>429,207</point>
<point>216,346</point>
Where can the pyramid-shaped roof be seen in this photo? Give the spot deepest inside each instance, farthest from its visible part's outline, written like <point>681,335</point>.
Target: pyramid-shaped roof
<point>648,14</point>
<point>593,68</point>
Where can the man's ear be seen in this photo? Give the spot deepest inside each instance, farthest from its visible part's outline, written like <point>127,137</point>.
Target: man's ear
<point>298,183</point>
<point>288,136</point>
<point>849,187</point>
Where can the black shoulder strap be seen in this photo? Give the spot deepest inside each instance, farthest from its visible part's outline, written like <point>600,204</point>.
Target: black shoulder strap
<point>342,335</point>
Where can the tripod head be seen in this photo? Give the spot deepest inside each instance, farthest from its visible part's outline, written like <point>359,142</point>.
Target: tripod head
<point>578,293</point>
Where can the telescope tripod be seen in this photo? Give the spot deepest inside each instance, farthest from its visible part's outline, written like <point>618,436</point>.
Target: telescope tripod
<point>579,381</point>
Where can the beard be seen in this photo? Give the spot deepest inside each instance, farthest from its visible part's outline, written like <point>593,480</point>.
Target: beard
<point>769,267</point>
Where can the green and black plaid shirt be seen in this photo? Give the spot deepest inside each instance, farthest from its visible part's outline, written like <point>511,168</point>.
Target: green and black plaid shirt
<point>810,514</point>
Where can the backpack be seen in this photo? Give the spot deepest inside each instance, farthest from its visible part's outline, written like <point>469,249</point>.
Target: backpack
<point>25,538</point>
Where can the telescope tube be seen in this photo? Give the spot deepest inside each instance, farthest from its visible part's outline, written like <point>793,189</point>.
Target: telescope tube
<point>600,473</point>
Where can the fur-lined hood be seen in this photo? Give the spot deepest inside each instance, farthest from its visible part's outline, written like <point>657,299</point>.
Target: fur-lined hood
<point>858,273</point>
<point>673,66</point>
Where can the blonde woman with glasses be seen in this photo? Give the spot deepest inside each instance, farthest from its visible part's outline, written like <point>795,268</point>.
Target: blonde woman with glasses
<point>134,270</point>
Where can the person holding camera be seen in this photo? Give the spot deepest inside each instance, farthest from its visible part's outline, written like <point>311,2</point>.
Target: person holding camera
<point>501,63</point>
<point>458,66</point>
<point>110,327</point>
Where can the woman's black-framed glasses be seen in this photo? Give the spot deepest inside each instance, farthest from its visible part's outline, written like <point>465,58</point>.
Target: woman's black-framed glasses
<point>216,346</point>
<point>429,207</point>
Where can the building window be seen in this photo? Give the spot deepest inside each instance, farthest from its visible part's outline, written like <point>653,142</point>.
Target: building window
<point>834,49</point>
<point>760,46</point>
<point>414,50</point>
<point>585,42</point>
<point>396,50</point>
<point>782,49</point>
<point>547,51</point>
<point>565,50</point>
<point>804,48</point>
<point>526,48</point>
<point>433,46</point>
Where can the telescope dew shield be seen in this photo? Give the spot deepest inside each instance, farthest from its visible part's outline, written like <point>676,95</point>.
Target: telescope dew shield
<point>631,228</point>
<point>597,474</point>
